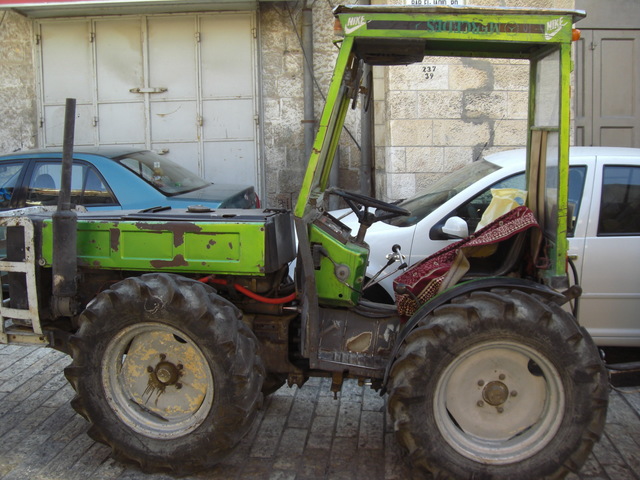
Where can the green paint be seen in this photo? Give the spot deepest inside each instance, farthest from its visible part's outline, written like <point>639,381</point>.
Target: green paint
<point>223,248</point>
<point>405,34</point>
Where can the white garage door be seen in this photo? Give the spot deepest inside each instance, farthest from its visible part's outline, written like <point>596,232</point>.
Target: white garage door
<point>183,85</point>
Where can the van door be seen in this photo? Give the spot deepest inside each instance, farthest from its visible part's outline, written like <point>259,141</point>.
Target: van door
<point>611,256</point>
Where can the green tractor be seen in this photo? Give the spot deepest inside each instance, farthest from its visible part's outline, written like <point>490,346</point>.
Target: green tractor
<point>179,322</point>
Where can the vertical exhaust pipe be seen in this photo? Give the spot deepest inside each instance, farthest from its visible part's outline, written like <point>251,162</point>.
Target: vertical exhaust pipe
<point>64,227</point>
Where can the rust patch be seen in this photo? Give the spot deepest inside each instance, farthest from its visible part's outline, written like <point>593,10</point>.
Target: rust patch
<point>211,243</point>
<point>360,343</point>
<point>177,228</point>
<point>178,261</point>
<point>114,239</point>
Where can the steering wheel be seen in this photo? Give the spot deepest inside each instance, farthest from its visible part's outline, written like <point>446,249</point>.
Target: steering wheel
<point>355,200</point>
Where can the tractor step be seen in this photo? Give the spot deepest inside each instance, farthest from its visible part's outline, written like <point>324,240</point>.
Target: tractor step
<point>19,335</point>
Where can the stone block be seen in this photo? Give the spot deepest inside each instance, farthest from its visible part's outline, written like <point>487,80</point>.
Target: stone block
<point>479,105</point>
<point>425,180</point>
<point>400,185</point>
<point>396,160</point>
<point>511,77</point>
<point>419,76</point>
<point>291,86</point>
<point>350,179</point>
<point>411,132</point>
<point>379,87</point>
<point>518,104</point>
<point>293,62</point>
<point>441,104</point>
<point>292,113</point>
<point>271,109</point>
<point>402,105</point>
<point>511,133</point>
<point>424,159</point>
<point>269,82</point>
<point>457,157</point>
<point>470,77</point>
<point>379,112</point>
<point>448,133</point>
<point>380,132</point>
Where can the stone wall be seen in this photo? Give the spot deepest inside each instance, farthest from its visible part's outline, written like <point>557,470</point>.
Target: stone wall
<point>17,81</point>
<point>434,117</point>
<point>430,118</point>
<point>454,111</point>
<point>282,89</point>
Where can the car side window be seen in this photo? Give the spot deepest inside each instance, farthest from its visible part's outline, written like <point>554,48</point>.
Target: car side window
<point>9,173</point>
<point>577,177</point>
<point>43,188</point>
<point>87,187</point>
<point>139,168</point>
<point>471,211</point>
<point>620,201</point>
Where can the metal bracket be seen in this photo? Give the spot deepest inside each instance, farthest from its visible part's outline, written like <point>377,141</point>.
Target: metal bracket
<point>149,90</point>
<point>29,331</point>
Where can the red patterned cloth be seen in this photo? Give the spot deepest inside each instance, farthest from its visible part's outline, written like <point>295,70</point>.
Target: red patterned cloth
<point>445,268</point>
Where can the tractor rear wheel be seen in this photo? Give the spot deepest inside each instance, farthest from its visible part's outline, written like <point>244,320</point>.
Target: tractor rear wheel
<point>166,373</point>
<point>498,385</point>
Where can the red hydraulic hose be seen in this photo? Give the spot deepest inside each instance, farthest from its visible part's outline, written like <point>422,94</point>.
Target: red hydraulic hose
<point>249,293</point>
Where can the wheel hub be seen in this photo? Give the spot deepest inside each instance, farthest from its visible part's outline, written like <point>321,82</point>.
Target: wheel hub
<point>495,393</point>
<point>167,373</point>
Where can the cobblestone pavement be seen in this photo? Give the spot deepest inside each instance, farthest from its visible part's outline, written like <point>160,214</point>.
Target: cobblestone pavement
<point>300,434</point>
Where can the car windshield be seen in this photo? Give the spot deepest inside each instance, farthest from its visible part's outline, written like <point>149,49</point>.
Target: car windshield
<point>165,175</point>
<point>447,187</point>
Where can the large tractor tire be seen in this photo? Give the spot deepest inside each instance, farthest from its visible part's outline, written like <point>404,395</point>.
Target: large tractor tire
<point>498,385</point>
<point>166,373</point>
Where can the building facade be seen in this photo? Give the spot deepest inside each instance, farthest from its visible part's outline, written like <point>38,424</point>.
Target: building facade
<point>220,88</point>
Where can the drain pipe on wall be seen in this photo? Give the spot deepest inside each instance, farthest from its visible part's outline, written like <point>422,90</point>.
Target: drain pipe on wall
<point>367,149</point>
<point>366,134</point>
<point>309,121</point>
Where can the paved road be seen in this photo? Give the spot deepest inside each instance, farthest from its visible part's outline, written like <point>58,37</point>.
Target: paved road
<point>300,434</point>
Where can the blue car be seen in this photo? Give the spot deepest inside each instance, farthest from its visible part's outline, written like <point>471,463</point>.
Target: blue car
<point>109,178</point>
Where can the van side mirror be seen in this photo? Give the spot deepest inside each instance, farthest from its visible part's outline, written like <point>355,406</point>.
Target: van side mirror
<point>453,228</point>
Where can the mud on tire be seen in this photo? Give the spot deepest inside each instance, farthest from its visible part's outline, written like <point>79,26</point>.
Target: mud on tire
<point>166,373</point>
<point>499,385</point>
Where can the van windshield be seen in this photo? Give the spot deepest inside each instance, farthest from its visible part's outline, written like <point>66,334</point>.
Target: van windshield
<point>426,201</point>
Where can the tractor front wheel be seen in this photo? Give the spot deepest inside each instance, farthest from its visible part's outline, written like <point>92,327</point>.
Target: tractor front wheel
<point>498,385</point>
<point>166,373</point>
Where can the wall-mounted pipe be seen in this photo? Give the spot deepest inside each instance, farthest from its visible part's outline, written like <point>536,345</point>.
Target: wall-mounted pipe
<point>367,148</point>
<point>307,53</point>
<point>367,141</point>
